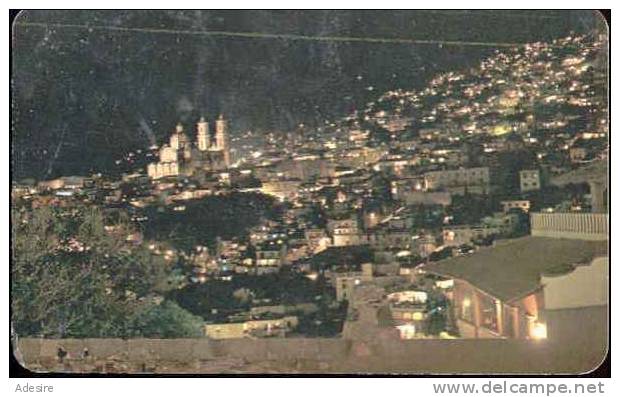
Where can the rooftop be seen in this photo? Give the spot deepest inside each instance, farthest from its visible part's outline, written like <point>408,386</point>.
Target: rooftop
<point>595,171</point>
<point>513,268</point>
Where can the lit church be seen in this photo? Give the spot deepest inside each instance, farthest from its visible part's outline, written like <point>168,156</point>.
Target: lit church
<point>182,157</point>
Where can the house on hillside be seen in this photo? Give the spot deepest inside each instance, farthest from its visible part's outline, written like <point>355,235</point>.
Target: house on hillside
<point>533,287</point>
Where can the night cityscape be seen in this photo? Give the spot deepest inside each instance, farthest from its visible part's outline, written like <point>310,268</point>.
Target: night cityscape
<point>310,191</point>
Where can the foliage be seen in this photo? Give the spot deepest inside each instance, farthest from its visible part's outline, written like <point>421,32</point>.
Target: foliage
<point>327,322</point>
<point>74,275</point>
<point>166,320</point>
<point>426,217</point>
<point>349,256</point>
<point>215,299</point>
<point>470,209</point>
<point>224,216</point>
<point>522,227</point>
<point>436,323</point>
<point>440,255</point>
<point>437,305</point>
<point>506,174</point>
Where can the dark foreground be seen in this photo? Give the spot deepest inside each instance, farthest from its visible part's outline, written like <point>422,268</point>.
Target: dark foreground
<point>583,353</point>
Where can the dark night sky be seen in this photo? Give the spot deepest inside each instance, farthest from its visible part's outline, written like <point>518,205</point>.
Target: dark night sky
<point>80,94</point>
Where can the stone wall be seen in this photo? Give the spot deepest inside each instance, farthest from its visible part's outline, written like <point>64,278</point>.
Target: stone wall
<point>312,355</point>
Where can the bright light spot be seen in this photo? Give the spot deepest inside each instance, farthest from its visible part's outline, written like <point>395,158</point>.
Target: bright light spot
<point>407,331</point>
<point>539,331</point>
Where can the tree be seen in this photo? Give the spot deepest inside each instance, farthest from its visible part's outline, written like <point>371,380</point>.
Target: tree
<point>74,275</point>
<point>437,306</point>
<point>227,217</point>
<point>522,227</point>
<point>166,320</point>
<point>436,323</point>
<point>470,208</point>
<point>506,175</point>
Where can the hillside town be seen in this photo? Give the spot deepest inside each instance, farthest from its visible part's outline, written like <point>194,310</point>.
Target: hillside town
<point>461,210</point>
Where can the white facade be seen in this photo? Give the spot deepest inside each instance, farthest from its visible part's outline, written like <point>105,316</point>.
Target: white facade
<point>161,170</point>
<point>583,287</point>
<point>529,180</point>
<point>474,179</point>
<point>521,204</point>
<point>203,134</point>
<point>168,154</point>
<point>459,235</point>
<point>221,138</point>
<point>180,156</point>
<point>345,232</point>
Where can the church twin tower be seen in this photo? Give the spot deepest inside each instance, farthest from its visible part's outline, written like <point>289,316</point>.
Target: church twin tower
<point>221,137</point>
<point>180,157</point>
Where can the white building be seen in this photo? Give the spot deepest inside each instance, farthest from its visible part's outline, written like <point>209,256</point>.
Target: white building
<point>472,180</point>
<point>523,205</point>
<point>529,180</point>
<point>180,157</point>
<point>345,232</point>
<point>455,236</point>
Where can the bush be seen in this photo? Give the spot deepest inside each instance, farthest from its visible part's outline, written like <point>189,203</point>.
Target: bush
<point>166,320</point>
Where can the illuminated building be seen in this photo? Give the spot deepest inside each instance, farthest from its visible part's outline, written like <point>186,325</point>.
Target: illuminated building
<point>252,328</point>
<point>409,312</point>
<point>471,180</point>
<point>530,288</point>
<point>283,189</point>
<point>344,232</point>
<point>529,180</point>
<point>523,205</point>
<point>270,255</point>
<point>182,157</point>
<point>457,235</point>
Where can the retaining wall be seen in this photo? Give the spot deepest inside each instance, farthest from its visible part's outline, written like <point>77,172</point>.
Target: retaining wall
<point>309,355</point>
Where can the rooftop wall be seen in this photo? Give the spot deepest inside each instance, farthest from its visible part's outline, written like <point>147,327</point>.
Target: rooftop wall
<point>581,226</point>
